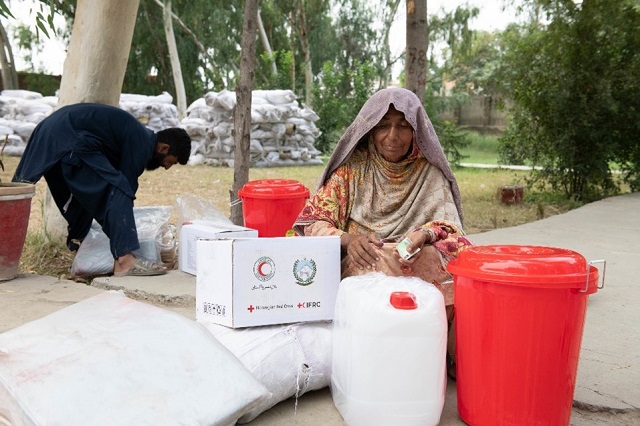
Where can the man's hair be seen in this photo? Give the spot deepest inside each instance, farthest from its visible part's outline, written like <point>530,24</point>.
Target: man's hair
<point>179,143</point>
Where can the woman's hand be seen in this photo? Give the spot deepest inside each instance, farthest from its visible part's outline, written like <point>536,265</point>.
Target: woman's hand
<point>361,249</point>
<point>419,237</point>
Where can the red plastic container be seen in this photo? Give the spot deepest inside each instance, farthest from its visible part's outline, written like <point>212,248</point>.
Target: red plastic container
<point>272,205</point>
<point>15,208</point>
<point>520,314</point>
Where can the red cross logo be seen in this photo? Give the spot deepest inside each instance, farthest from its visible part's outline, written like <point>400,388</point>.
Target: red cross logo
<point>300,305</point>
<point>251,308</point>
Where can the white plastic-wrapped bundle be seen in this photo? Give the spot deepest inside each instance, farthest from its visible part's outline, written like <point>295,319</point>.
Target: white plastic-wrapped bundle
<point>276,97</point>
<point>22,94</point>
<point>288,360</point>
<point>282,133</point>
<point>21,111</point>
<point>110,360</point>
<point>156,112</point>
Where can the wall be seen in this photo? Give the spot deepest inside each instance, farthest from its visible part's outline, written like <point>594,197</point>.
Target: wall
<point>481,113</point>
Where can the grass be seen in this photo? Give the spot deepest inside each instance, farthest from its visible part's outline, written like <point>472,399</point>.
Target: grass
<point>482,209</point>
<point>483,149</point>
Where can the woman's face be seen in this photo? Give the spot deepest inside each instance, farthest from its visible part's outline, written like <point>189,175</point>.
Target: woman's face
<point>393,136</point>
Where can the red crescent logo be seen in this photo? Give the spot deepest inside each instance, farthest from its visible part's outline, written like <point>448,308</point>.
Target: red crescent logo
<point>259,269</point>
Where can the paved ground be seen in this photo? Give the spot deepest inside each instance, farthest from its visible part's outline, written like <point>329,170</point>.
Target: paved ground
<point>608,384</point>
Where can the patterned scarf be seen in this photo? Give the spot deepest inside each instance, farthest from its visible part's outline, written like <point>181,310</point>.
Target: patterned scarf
<point>372,112</point>
<point>365,194</point>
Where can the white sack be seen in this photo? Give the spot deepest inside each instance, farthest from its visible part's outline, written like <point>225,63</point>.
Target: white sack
<point>22,94</point>
<point>110,360</point>
<point>165,97</point>
<point>288,360</point>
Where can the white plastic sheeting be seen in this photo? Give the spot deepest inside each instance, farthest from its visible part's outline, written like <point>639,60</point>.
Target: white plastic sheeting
<point>110,360</point>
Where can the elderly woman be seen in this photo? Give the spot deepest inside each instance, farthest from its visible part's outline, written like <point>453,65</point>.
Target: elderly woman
<point>388,179</point>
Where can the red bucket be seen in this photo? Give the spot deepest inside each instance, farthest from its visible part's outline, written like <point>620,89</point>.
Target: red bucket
<point>520,314</point>
<point>272,205</point>
<point>15,208</point>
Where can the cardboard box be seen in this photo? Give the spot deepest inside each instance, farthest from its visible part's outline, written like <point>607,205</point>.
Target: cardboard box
<point>261,281</point>
<point>192,232</point>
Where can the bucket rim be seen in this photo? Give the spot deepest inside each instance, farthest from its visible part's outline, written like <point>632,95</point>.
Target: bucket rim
<point>526,266</point>
<point>17,188</point>
<point>274,189</point>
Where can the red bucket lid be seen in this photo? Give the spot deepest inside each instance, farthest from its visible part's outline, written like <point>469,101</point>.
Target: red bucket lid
<point>273,188</point>
<point>530,266</point>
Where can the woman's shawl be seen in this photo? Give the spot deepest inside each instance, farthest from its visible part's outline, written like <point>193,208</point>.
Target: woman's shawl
<point>372,112</point>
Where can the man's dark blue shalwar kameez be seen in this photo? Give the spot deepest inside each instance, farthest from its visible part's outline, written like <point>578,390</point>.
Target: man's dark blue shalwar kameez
<point>91,156</point>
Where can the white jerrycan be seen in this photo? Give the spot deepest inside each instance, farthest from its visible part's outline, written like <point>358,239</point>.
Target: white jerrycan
<point>389,351</point>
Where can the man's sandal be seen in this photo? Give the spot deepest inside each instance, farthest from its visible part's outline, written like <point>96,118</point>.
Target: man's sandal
<point>143,268</point>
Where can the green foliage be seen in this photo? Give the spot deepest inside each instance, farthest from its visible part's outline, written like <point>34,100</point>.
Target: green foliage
<point>44,17</point>
<point>149,68</point>
<point>576,96</point>
<point>452,139</point>
<point>42,83</point>
<point>285,63</point>
<point>4,10</point>
<point>451,30</point>
<point>338,97</point>
<point>477,70</point>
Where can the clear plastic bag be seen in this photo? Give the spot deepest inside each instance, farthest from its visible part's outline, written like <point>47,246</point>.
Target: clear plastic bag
<point>94,255</point>
<point>194,208</point>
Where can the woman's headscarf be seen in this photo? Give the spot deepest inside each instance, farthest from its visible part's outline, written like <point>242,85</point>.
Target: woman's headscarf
<point>372,112</point>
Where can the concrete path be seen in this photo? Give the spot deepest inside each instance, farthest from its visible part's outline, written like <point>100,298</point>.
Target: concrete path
<point>608,384</point>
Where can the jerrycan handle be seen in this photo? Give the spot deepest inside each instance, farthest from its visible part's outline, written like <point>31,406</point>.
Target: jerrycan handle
<point>604,268</point>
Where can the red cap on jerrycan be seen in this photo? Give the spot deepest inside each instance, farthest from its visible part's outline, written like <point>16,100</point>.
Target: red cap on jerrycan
<point>403,300</point>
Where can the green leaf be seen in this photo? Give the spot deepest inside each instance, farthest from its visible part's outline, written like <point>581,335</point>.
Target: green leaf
<point>4,10</point>
<point>40,23</point>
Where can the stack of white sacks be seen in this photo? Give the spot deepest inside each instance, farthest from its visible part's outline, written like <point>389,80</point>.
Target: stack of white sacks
<point>155,112</point>
<point>20,113</point>
<point>282,133</point>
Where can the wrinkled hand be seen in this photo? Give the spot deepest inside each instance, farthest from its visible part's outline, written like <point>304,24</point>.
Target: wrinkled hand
<point>361,249</point>
<point>418,239</point>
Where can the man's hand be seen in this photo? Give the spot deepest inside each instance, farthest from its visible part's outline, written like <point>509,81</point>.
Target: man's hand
<point>361,249</point>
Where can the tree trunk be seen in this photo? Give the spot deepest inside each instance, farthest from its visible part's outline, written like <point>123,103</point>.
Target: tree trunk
<point>201,48</point>
<point>9,72</point>
<point>301,24</point>
<point>98,51</point>
<point>292,70</point>
<point>94,68</point>
<point>242,111</point>
<point>417,42</point>
<point>181,96</point>
<point>389,16</point>
<point>267,46</point>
